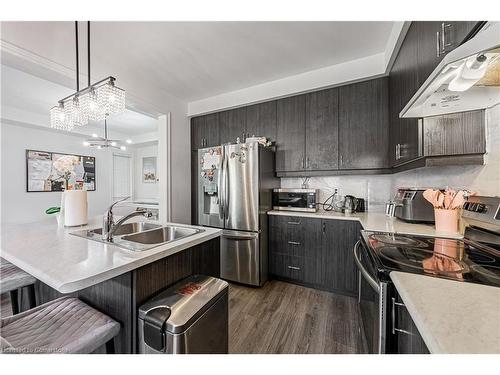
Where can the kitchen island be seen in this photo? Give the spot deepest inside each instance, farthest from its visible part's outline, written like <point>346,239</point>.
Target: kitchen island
<point>111,279</point>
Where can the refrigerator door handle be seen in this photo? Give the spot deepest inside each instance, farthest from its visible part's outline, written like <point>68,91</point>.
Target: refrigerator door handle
<point>226,187</point>
<point>220,179</point>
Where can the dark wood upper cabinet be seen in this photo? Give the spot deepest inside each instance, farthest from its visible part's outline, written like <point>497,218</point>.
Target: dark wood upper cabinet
<point>454,33</point>
<point>322,127</point>
<point>405,134</point>
<point>232,125</point>
<point>197,128</point>
<point>428,54</point>
<point>455,134</point>
<point>261,120</point>
<point>205,131</point>
<point>424,46</point>
<point>290,134</point>
<point>212,130</point>
<point>364,125</point>
<point>436,39</point>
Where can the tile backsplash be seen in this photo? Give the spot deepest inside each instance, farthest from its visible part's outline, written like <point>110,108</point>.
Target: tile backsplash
<point>377,189</point>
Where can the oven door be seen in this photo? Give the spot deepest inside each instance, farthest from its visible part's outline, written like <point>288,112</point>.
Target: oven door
<point>372,295</point>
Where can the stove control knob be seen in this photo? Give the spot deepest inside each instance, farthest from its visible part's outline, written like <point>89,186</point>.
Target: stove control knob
<point>466,206</point>
<point>480,208</point>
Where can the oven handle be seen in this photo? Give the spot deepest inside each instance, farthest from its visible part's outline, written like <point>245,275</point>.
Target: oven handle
<point>366,275</point>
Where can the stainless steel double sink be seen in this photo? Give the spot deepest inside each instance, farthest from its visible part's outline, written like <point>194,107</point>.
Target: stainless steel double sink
<point>141,236</point>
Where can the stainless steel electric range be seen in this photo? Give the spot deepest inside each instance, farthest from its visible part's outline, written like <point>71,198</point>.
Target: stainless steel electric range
<point>475,258</point>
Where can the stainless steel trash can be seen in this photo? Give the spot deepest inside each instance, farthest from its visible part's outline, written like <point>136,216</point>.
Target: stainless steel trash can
<point>189,317</point>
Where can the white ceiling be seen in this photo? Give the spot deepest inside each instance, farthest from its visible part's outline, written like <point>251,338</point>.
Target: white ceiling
<point>34,95</point>
<point>195,60</point>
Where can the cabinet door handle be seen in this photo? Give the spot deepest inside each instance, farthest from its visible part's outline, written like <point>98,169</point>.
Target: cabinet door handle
<point>303,163</point>
<point>294,243</point>
<point>393,316</point>
<point>445,26</point>
<point>438,45</point>
<point>293,268</point>
<point>341,160</point>
<point>294,222</point>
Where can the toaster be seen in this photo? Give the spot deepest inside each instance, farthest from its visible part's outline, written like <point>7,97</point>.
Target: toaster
<point>411,206</point>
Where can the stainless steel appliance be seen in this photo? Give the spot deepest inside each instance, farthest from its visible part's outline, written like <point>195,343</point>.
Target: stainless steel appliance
<point>410,205</point>
<point>476,259</point>
<point>234,193</point>
<point>190,317</point>
<point>304,200</point>
<point>350,204</point>
<point>465,80</point>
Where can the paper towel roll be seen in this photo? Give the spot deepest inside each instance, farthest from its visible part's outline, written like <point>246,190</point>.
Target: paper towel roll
<point>74,207</point>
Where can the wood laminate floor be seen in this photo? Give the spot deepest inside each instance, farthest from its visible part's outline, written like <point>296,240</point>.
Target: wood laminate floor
<point>286,318</point>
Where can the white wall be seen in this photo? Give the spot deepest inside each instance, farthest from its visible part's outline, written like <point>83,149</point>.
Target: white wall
<point>484,179</point>
<point>180,152</point>
<point>18,206</point>
<point>144,190</point>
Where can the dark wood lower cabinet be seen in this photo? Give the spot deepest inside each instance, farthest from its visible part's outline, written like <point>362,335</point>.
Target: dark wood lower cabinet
<point>314,252</point>
<point>339,269</point>
<point>121,296</point>
<point>406,338</point>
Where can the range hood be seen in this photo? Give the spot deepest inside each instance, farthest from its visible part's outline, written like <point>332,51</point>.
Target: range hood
<point>468,78</point>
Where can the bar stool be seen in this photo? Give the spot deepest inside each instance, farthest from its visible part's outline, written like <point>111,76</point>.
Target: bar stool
<point>64,325</point>
<point>12,279</point>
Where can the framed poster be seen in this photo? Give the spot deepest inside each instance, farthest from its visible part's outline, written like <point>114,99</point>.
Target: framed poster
<point>51,171</point>
<point>149,169</point>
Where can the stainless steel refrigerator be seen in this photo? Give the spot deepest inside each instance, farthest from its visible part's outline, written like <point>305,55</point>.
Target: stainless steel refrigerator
<point>235,185</point>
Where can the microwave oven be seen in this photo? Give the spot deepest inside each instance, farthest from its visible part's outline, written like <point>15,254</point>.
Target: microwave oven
<point>304,200</point>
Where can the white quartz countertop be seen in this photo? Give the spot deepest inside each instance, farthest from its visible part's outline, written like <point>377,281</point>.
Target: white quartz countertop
<point>69,263</point>
<point>452,316</point>
<point>373,221</point>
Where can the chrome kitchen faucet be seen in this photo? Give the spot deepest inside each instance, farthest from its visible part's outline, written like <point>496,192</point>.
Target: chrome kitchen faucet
<point>109,226</point>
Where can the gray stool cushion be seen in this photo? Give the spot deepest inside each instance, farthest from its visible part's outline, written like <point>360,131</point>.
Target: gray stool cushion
<point>65,325</point>
<point>12,277</point>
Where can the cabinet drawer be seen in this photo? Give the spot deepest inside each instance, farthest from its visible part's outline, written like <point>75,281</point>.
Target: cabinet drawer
<point>292,247</point>
<point>293,222</point>
<point>294,268</point>
<point>294,236</point>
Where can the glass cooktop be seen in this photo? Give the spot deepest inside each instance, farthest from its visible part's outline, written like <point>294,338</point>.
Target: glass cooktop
<point>460,260</point>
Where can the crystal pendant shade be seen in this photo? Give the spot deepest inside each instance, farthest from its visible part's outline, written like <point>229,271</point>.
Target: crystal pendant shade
<point>93,103</point>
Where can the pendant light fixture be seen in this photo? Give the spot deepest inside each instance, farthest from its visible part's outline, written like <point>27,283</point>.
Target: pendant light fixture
<point>94,102</point>
<point>104,142</point>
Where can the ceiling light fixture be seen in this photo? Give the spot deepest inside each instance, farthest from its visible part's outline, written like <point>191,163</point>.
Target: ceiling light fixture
<point>104,142</point>
<point>94,102</point>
